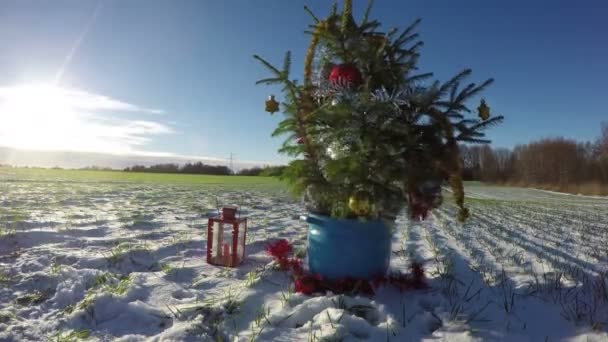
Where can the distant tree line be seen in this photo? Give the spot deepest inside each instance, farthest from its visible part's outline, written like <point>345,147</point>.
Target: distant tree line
<point>188,168</point>
<point>267,171</point>
<point>555,163</point>
<point>204,169</point>
<point>96,168</point>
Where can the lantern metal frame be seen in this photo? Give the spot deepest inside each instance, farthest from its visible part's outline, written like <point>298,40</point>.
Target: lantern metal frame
<point>239,226</point>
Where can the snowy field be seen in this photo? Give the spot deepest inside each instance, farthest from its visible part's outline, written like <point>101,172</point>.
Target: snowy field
<point>121,261</point>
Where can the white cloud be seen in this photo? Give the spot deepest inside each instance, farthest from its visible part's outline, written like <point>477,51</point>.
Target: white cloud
<point>77,99</point>
<point>45,117</point>
<point>117,161</point>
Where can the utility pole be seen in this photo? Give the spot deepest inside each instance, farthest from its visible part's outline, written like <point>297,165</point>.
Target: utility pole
<point>231,162</point>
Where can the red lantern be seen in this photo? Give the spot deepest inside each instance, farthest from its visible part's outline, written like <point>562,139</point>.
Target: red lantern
<point>226,236</point>
<point>345,75</point>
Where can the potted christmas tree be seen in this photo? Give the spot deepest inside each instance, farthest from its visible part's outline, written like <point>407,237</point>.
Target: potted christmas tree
<point>370,136</point>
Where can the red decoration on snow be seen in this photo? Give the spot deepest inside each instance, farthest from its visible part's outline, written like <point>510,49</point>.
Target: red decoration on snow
<point>345,75</point>
<point>414,280</point>
<point>308,284</point>
<point>279,249</point>
<point>226,236</point>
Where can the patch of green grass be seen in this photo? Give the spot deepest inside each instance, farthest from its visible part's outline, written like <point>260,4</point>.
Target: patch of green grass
<point>101,279</point>
<point>231,301</point>
<point>55,267</point>
<point>135,177</point>
<point>300,252</point>
<point>11,219</point>
<point>69,309</point>
<point>172,270</point>
<point>5,278</point>
<point>121,287</point>
<point>6,317</point>
<point>72,336</point>
<point>103,283</point>
<point>286,296</point>
<point>228,300</point>
<point>252,278</point>
<point>32,298</point>
<point>167,269</point>
<point>107,282</point>
<point>118,252</point>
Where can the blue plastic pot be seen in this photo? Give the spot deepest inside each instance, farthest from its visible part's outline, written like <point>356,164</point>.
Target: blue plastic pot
<point>348,248</point>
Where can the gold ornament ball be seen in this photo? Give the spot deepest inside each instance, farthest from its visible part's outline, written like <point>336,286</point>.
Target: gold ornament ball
<point>360,203</point>
<point>272,105</point>
<point>483,110</point>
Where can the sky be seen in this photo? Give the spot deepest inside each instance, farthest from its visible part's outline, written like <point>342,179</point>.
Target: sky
<point>177,78</point>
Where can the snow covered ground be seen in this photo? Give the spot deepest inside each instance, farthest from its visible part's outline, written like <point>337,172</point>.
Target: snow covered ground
<point>126,262</point>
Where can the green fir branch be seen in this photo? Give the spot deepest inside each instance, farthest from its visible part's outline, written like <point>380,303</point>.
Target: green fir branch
<point>407,32</point>
<point>312,15</point>
<point>367,12</point>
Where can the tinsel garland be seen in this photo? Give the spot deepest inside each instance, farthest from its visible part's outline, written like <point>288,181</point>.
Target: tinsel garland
<point>308,283</point>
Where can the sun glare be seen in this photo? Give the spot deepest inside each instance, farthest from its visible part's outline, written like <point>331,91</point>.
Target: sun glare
<point>47,117</point>
<point>37,117</point>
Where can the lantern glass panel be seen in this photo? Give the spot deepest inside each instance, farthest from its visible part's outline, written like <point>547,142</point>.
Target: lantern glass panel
<point>227,244</point>
<point>222,243</point>
<point>240,251</point>
<point>218,232</point>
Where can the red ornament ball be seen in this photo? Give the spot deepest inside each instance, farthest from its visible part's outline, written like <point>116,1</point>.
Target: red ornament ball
<point>345,75</point>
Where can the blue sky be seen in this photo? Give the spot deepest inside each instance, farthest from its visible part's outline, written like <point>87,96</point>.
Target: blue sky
<point>180,76</point>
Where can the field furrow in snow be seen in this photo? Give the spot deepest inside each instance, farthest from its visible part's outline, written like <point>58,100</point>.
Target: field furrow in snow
<point>126,261</point>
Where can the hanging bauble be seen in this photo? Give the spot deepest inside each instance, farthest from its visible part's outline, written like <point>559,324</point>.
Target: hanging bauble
<point>272,105</point>
<point>336,150</point>
<point>345,75</point>
<point>360,203</point>
<point>332,153</point>
<point>483,110</point>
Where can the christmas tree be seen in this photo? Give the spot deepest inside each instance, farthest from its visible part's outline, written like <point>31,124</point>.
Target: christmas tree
<point>369,133</point>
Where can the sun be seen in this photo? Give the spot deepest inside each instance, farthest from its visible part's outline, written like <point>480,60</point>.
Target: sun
<point>39,117</point>
<point>51,118</point>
